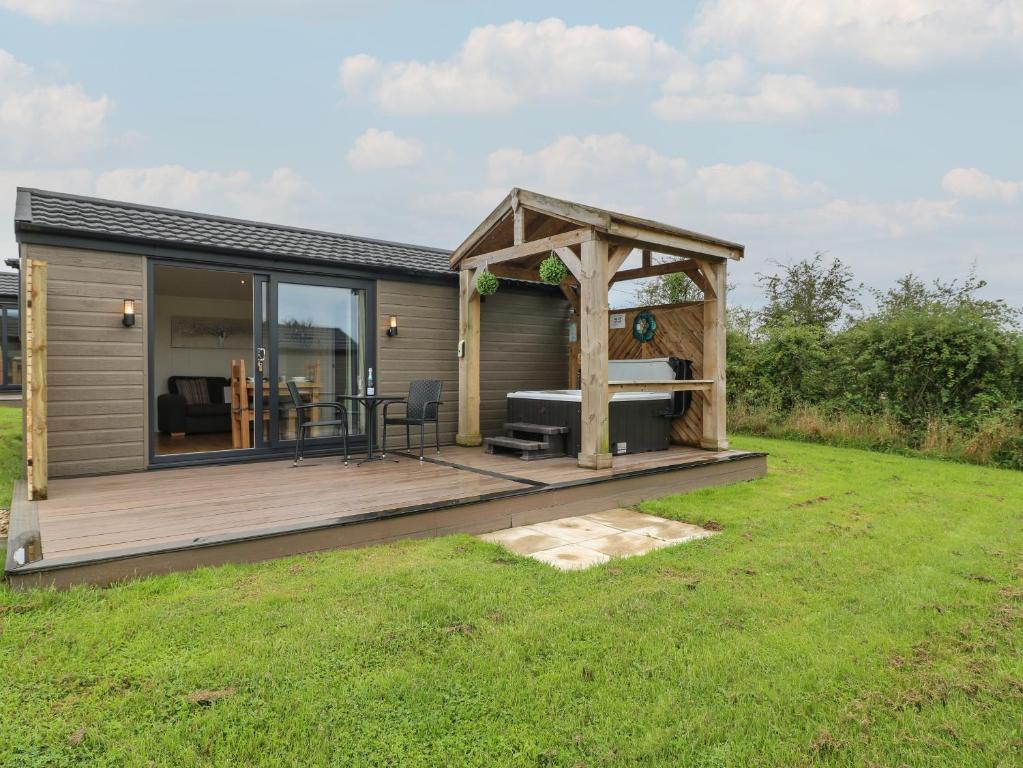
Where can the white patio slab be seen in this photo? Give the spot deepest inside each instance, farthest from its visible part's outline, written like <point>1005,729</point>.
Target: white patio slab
<point>575,543</point>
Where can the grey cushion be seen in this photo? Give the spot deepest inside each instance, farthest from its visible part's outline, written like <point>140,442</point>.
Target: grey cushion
<point>195,391</point>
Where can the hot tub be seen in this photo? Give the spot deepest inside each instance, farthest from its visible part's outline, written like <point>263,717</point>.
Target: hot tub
<point>640,421</point>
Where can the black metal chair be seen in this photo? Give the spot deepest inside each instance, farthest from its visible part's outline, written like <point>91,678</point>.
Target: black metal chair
<point>303,424</point>
<point>422,407</point>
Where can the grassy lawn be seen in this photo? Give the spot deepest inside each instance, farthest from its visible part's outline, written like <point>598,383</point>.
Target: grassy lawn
<point>10,452</point>
<point>858,609</point>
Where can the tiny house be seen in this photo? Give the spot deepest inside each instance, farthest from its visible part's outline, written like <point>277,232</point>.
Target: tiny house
<point>158,339</point>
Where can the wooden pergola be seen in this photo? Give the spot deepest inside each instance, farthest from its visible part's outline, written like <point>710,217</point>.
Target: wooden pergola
<point>593,244</point>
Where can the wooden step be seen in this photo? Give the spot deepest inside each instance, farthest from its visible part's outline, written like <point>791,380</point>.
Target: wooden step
<point>536,429</point>
<point>515,443</point>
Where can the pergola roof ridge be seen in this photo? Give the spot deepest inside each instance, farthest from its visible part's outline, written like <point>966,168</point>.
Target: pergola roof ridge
<point>557,215</point>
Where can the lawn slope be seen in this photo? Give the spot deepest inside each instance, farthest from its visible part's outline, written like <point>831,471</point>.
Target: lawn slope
<point>857,609</point>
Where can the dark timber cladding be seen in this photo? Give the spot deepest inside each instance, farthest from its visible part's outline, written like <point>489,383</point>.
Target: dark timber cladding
<point>526,346</point>
<point>97,367</point>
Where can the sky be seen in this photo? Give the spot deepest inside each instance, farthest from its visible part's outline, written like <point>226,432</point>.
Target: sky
<point>886,133</point>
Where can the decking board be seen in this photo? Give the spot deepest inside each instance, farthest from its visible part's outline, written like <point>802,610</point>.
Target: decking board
<point>101,529</point>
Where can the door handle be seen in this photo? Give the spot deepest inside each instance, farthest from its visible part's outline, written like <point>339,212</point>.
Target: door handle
<point>260,358</point>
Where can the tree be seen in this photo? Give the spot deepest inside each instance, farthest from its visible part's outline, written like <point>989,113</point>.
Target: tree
<point>913,294</point>
<point>668,289</point>
<point>812,292</point>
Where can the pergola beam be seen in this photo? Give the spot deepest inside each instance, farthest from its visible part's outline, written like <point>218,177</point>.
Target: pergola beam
<point>568,289</point>
<point>519,226</point>
<point>530,248</point>
<point>693,269</point>
<point>661,241</point>
<point>574,264</point>
<point>619,254</point>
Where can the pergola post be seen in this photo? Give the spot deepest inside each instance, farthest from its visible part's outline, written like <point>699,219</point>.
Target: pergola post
<point>469,361</point>
<point>714,328</point>
<point>36,435</point>
<point>595,446</point>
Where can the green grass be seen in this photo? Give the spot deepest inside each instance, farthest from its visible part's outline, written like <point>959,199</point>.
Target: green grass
<point>10,452</point>
<point>857,609</point>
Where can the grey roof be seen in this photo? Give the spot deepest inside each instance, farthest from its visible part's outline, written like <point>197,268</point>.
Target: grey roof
<point>9,284</point>
<point>57,213</point>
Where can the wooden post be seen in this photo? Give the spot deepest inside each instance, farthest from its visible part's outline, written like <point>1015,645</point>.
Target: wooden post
<point>715,437</point>
<point>36,441</point>
<point>469,362</point>
<point>595,441</point>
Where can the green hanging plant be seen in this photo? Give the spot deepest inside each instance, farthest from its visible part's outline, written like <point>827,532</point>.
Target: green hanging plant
<point>486,283</point>
<point>553,270</point>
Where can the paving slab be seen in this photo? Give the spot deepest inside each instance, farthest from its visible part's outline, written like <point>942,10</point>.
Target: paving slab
<point>571,557</point>
<point>574,543</point>
<point>523,540</point>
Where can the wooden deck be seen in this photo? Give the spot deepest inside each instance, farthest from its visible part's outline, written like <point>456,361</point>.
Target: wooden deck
<point>101,529</point>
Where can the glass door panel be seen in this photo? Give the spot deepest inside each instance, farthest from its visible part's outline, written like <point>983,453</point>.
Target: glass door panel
<point>320,346</point>
<point>206,387</point>
<point>11,348</point>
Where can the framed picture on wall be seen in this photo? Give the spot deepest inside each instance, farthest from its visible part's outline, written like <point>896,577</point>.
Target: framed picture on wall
<point>211,332</point>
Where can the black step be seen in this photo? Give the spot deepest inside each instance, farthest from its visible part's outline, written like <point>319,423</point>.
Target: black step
<point>536,429</point>
<point>515,443</point>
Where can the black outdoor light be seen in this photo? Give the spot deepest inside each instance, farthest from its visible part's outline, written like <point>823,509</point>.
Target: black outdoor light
<point>392,328</point>
<point>129,313</point>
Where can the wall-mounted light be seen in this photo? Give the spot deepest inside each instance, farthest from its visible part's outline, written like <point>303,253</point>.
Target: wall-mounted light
<point>129,313</point>
<point>392,328</point>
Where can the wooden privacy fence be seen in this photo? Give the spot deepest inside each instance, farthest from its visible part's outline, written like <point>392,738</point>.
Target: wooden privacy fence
<point>36,442</point>
<point>679,334</point>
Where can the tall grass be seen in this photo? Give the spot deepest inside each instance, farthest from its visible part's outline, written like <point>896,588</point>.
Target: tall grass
<point>996,441</point>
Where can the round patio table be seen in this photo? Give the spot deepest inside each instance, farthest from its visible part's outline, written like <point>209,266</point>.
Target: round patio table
<point>370,403</point>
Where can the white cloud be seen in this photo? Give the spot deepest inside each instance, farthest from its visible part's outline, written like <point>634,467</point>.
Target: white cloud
<point>597,162</point>
<point>584,166</point>
<point>843,219</point>
<point>724,94</point>
<point>42,121</point>
<point>235,193</point>
<point>384,149</point>
<point>502,66</point>
<point>892,33</point>
<point>971,182</point>
<point>272,198</point>
<point>752,182</point>
<point>753,202</point>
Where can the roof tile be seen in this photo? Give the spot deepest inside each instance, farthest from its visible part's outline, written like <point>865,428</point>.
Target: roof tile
<point>94,217</point>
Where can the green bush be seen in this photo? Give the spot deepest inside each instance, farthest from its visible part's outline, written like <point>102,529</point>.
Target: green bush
<point>919,364</point>
<point>933,369</point>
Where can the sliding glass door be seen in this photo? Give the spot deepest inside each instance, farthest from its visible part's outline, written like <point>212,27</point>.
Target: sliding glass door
<point>225,345</point>
<point>320,346</point>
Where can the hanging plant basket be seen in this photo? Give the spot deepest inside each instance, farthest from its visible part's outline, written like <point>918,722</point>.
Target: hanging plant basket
<point>553,270</point>
<point>486,284</point>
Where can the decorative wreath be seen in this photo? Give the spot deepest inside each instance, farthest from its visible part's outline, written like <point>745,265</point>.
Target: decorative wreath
<point>644,325</point>
<point>486,283</point>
